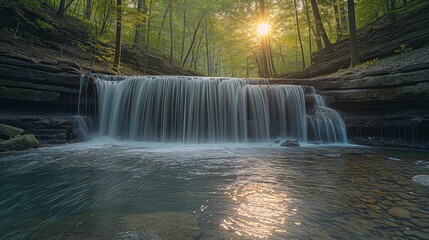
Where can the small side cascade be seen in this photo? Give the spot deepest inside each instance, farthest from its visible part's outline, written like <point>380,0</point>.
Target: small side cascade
<point>80,128</point>
<point>81,121</point>
<point>202,110</point>
<point>325,124</point>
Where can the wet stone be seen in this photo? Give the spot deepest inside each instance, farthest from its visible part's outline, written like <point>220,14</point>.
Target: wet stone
<point>418,234</point>
<point>376,192</point>
<point>398,212</point>
<point>406,196</point>
<point>422,223</point>
<point>422,180</point>
<point>391,224</point>
<point>290,143</point>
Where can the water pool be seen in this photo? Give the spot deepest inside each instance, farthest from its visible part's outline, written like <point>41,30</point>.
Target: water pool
<point>128,190</point>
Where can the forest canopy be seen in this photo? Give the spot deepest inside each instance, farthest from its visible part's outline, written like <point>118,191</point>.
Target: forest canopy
<point>223,37</point>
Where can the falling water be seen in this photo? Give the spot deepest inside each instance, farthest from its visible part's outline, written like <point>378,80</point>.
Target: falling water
<point>325,124</point>
<point>196,109</point>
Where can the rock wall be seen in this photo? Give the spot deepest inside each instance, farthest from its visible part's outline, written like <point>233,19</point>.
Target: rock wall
<point>386,106</point>
<point>378,40</point>
<point>41,97</point>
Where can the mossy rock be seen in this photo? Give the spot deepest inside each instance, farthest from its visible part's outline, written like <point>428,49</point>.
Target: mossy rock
<point>19,143</point>
<point>8,132</point>
<point>163,225</point>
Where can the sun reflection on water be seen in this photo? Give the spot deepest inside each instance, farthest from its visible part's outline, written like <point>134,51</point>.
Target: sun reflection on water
<point>260,212</point>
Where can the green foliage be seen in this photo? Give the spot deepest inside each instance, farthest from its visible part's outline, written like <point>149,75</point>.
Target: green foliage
<point>102,50</point>
<point>44,26</point>
<point>403,48</point>
<point>369,63</point>
<point>232,48</point>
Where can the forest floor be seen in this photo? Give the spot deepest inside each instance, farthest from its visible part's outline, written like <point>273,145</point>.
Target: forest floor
<point>402,59</point>
<point>41,52</point>
<point>42,36</point>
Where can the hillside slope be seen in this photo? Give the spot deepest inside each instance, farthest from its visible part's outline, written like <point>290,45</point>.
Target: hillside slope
<point>36,32</point>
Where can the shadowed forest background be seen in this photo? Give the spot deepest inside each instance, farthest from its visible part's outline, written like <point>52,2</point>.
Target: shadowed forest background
<point>206,37</point>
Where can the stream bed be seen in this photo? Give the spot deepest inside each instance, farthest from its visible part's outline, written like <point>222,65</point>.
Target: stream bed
<point>106,189</point>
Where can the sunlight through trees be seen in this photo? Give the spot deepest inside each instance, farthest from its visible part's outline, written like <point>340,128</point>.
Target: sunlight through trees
<point>225,37</point>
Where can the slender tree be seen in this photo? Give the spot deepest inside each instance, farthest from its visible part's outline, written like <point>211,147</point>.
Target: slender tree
<point>193,39</point>
<point>164,17</point>
<point>208,52</point>
<point>343,17</point>
<point>149,12</point>
<point>117,60</point>
<point>353,34</point>
<point>310,43</point>
<point>299,34</point>
<point>88,9</point>
<point>338,21</point>
<point>320,29</point>
<point>171,31</point>
<point>64,6</point>
<point>182,50</point>
<point>139,26</point>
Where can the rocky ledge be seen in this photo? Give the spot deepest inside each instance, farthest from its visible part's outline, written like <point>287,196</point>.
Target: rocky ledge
<point>41,97</point>
<point>38,85</point>
<point>386,106</point>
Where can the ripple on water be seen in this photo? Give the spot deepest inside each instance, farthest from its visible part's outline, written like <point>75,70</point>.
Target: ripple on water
<point>235,191</point>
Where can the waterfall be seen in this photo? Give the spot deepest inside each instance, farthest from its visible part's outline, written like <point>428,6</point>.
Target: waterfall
<point>199,110</point>
<point>325,124</point>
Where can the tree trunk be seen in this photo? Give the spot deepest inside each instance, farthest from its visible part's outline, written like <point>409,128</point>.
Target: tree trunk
<point>171,31</point>
<point>64,6</point>
<point>106,17</point>
<point>164,17</point>
<point>310,44</point>
<point>193,39</point>
<point>88,10</point>
<point>148,26</point>
<point>299,34</point>
<point>139,26</point>
<point>338,22</point>
<point>353,34</point>
<point>272,66</point>
<point>198,50</point>
<point>117,60</point>
<point>61,8</point>
<point>343,18</point>
<point>320,29</point>
<point>208,53</point>
<point>182,50</point>
<point>267,68</point>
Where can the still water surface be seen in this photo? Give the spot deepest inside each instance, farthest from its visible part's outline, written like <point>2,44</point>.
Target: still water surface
<point>128,190</point>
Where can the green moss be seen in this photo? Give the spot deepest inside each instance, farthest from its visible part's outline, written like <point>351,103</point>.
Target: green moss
<point>42,25</point>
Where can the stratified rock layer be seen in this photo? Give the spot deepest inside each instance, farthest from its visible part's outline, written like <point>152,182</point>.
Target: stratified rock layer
<point>386,106</point>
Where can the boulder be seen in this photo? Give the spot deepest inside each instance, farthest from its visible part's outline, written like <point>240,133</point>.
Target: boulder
<point>19,143</point>
<point>290,143</point>
<point>7,132</point>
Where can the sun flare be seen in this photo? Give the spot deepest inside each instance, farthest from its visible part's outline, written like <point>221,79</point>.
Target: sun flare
<point>263,29</point>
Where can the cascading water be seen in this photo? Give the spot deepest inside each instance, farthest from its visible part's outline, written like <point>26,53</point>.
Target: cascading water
<point>325,124</point>
<point>196,110</point>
